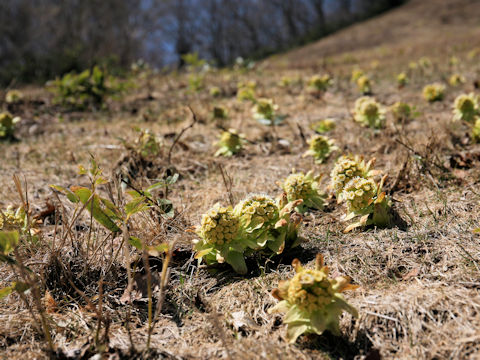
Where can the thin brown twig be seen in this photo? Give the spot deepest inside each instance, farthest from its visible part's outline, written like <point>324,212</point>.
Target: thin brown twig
<point>195,119</point>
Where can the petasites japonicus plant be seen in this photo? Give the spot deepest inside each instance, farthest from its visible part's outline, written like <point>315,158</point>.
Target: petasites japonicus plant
<point>369,112</point>
<point>346,168</point>
<point>229,143</point>
<point>7,125</point>
<point>256,224</point>
<point>305,187</point>
<point>465,108</point>
<point>320,147</point>
<point>366,199</point>
<point>312,302</point>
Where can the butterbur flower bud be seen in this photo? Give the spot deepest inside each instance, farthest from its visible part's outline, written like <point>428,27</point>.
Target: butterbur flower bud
<point>215,91</point>
<point>359,193</point>
<point>264,109</point>
<point>465,108</point>
<point>369,113</point>
<point>219,112</point>
<point>402,112</point>
<point>7,125</point>
<point>258,214</point>
<point>402,79</point>
<point>456,80</point>
<point>313,301</point>
<point>364,85</point>
<point>346,168</point>
<point>13,96</point>
<point>356,74</point>
<point>320,147</point>
<point>434,92</point>
<point>475,134</point>
<point>230,143</point>
<point>323,126</point>
<point>320,82</point>
<point>305,187</point>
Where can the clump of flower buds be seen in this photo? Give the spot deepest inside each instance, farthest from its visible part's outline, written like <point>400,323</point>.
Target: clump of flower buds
<point>465,108</point>
<point>230,143</point>
<point>364,85</point>
<point>312,301</point>
<point>13,96</point>
<point>365,198</point>
<point>320,82</point>
<point>320,147</point>
<point>346,168</point>
<point>7,125</point>
<point>402,79</point>
<point>306,188</point>
<point>434,92</point>
<point>323,126</point>
<point>402,112</point>
<point>369,112</point>
<point>456,80</point>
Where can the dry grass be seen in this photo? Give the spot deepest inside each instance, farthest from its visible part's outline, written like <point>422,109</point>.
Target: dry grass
<point>419,283</point>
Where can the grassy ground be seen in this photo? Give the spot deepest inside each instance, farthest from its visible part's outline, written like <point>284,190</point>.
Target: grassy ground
<point>419,284</point>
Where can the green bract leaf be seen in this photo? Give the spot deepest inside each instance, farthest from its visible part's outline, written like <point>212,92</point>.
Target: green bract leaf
<point>105,218</point>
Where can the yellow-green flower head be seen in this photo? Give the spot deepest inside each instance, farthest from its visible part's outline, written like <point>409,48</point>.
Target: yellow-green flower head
<point>219,112</point>
<point>13,96</point>
<point>323,126</point>
<point>219,226</point>
<point>424,62</point>
<point>7,124</point>
<point>364,84</point>
<point>257,214</point>
<point>434,92</point>
<point>148,143</point>
<point>305,187</point>
<point>230,143</point>
<point>313,300</point>
<point>346,168</point>
<point>320,82</point>
<point>456,80</point>
<point>11,219</point>
<point>264,109</point>
<point>356,74</point>
<point>369,112</point>
<point>401,111</point>
<point>285,81</point>
<point>476,131</point>
<point>215,91</point>
<point>359,193</point>
<point>453,61</point>
<point>402,79</point>
<point>465,108</point>
<point>413,65</point>
<point>320,147</point>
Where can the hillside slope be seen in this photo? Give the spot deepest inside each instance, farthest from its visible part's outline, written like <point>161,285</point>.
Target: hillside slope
<point>417,26</point>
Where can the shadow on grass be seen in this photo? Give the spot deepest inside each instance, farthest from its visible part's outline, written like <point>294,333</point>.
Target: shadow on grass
<point>340,347</point>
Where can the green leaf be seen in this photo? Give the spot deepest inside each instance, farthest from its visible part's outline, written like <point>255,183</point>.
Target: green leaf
<point>167,208</point>
<point>8,241</point>
<point>70,195</point>
<point>136,205</point>
<point>202,253</point>
<point>135,242</point>
<point>104,218</point>
<point>294,331</point>
<point>318,322</point>
<point>5,291</point>
<point>237,261</point>
<point>172,179</point>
